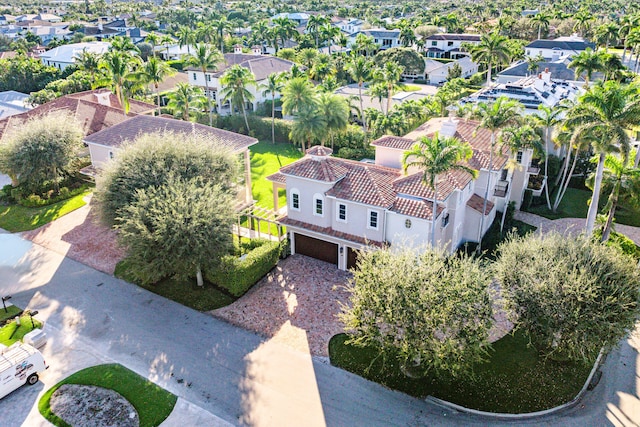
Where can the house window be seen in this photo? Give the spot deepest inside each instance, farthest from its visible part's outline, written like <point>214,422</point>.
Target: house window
<point>318,205</point>
<point>519,157</point>
<point>208,77</point>
<point>111,154</point>
<point>503,176</point>
<point>434,43</point>
<point>342,212</point>
<point>449,43</point>
<point>195,77</point>
<point>445,220</point>
<point>407,223</point>
<point>373,220</point>
<point>295,200</point>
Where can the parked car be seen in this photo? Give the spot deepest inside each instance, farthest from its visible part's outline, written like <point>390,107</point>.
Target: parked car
<point>19,364</point>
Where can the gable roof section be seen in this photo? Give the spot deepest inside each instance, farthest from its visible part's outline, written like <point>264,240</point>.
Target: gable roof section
<point>413,186</point>
<point>128,130</point>
<point>394,142</point>
<point>366,184</point>
<point>476,203</point>
<point>415,208</point>
<point>260,65</point>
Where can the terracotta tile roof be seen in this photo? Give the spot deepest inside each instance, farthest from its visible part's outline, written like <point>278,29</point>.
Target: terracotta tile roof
<point>92,115</point>
<point>395,142</point>
<point>326,170</point>
<point>415,208</point>
<point>285,220</point>
<point>367,184</point>
<point>469,131</point>
<point>412,185</point>
<point>476,202</point>
<point>320,151</point>
<point>277,177</point>
<point>130,129</point>
<point>260,65</point>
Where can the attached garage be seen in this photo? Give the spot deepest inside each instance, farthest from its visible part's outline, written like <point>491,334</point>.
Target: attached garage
<point>316,248</point>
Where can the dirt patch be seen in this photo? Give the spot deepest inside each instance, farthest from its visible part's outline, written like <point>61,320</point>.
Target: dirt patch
<point>84,405</point>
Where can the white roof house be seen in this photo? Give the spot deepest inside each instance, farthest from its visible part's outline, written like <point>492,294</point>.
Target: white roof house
<point>63,56</point>
<point>436,72</point>
<point>12,103</point>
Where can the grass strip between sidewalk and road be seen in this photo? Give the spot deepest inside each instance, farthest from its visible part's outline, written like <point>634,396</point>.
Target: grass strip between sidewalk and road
<point>152,402</point>
<point>515,379</point>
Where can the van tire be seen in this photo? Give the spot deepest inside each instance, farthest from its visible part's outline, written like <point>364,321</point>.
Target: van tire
<point>32,379</point>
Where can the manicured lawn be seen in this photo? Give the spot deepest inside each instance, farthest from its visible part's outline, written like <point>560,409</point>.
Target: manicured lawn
<point>573,205</point>
<point>266,159</point>
<point>513,380</point>
<point>153,403</point>
<point>189,294</point>
<point>11,332</point>
<point>16,218</point>
<point>12,311</point>
<point>409,88</point>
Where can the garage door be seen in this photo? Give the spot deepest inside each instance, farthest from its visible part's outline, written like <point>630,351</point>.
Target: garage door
<point>352,258</point>
<point>316,248</point>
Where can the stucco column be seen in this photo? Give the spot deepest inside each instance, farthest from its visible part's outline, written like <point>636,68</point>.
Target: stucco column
<point>247,177</point>
<point>275,196</point>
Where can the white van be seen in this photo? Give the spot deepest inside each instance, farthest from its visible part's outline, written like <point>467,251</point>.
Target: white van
<point>19,364</point>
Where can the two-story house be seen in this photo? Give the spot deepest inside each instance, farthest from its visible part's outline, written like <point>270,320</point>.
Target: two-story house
<point>385,39</point>
<point>337,206</point>
<point>63,56</point>
<point>260,65</point>
<point>104,145</point>
<point>561,47</point>
<point>445,45</point>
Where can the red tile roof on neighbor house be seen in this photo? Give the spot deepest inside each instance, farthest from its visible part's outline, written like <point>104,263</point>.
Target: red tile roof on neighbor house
<point>394,142</point>
<point>476,202</point>
<point>95,110</point>
<point>130,129</point>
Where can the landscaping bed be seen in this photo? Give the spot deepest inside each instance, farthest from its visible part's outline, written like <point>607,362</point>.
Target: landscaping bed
<point>515,379</point>
<point>153,403</point>
<point>12,333</point>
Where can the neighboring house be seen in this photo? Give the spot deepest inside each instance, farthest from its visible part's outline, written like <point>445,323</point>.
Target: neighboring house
<point>6,19</point>
<point>12,103</point>
<point>260,65</point>
<point>136,35</point>
<point>350,25</point>
<point>173,52</point>
<point>104,145</point>
<point>99,32</point>
<point>337,206</point>
<point>531,91</point>
<point>559,70</point>
<point>48,17</point>
<point>554,50</point>
<point>118,24</point>
<point>46,34</point>
<point>350,93</point>
<point>436,72</point>
<point>300,18</point>
<point>95,110</point>
<point>384,38</point>
<point>449,45</point>
<point>63,56</point>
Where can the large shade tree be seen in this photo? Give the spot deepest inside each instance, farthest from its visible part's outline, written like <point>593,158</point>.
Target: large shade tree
<point>435,157</point>
<point>42,151</point>
<point>573,296</point>
<point>434,316</point>
<point>603,116</point>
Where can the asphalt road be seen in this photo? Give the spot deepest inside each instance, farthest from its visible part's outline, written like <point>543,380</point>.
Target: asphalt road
<point>240,377</point>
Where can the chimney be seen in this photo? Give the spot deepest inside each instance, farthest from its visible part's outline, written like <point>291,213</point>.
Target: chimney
<point>100,26</point>
<point>538,83</point>
<point>256,50</point>
<point>103,98</point>
<point>555,56</point>
<point>237,49</point>
<point>546,75</point>
<point>449,127</point>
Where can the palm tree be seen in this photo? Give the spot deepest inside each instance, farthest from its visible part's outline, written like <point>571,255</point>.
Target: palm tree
<point>222,26</point>
<point>390,75</point>
<point>633,39</point>
<point>186,37</point>
<point>542,19</point>
<point>612,66</point>
<point>235,88</point>
<point>154,71</point>
<point>284,29</point>
<point>118,66</point>
<point>492,50</point>
<point>547,118</point>
<point>185,99</point>
<point>335,110</point>
<point>620,177</point>
<point>308,125</point>
<point>307,56</point>
<point>435,157</point>
<point>124,45</point>
<point>533,63</point>
<point>89,62</point>
<point>154,40</point>
<point>360,71</point>
<point>582,18</point>
<point>330,34</point>
<point>606,34</point>
<point>272,86</point>
<point>587,62</point>
<point>297,95</point>
<point>365,43</point>
<point>167,41</point>
<point>205,59</point>
<point>205,32</point>
<point>627,23</point>
<point>494,117</point>
<point>313,26</point>
<point>603,117</point>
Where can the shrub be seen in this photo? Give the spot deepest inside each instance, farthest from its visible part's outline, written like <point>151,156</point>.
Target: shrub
<point>35,200</point>
<point>237,275</point>
<point>260,126</point>
<point>177,64</point>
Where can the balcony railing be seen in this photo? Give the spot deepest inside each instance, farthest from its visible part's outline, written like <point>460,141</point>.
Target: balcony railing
<point>533,169</point>
<point>501,189</point>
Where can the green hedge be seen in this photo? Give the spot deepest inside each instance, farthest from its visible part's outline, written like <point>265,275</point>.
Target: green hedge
<point>237,275</point>
<point>34,201</point>
<point>177,64</point>
<point>260,127</point>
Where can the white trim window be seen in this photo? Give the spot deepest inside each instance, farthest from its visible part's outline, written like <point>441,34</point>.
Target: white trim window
<point>341,212</point>
<point>445,220</point>
<point>318,205</point>
<point>295,200</point>
<point>373,220</point>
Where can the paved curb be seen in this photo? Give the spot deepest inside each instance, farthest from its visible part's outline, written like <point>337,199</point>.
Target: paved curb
<point>529,415</point>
